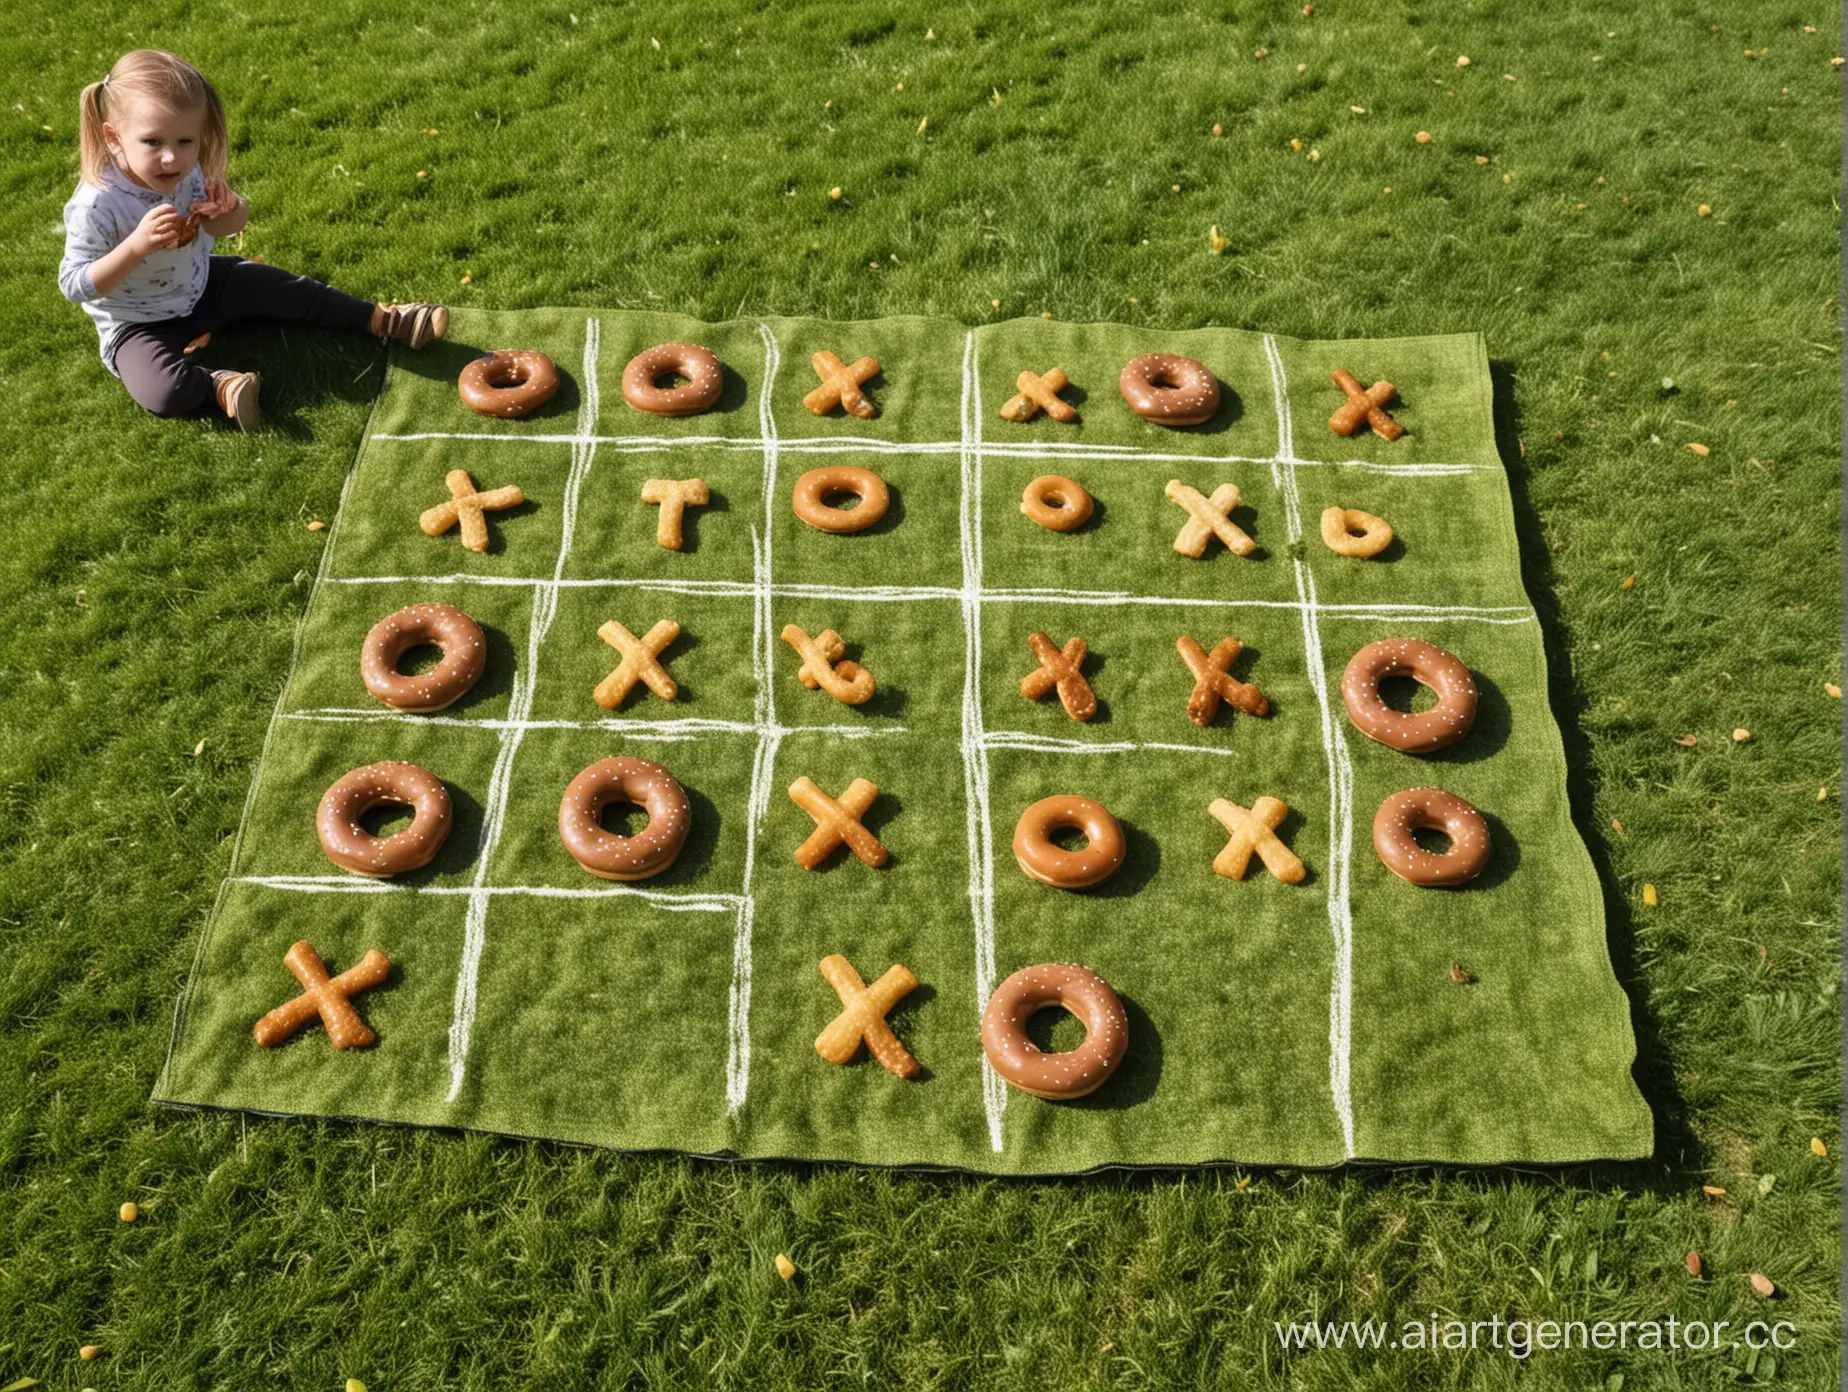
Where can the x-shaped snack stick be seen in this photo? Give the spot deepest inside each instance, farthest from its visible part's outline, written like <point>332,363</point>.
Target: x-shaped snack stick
<point>467,505</point>
<point>849,683</point>
<point>1059,667</point>
<point>863,1012</point>
<point>840,385</point>
<point>1206,519</point>
<point>328,999</point>
<point>1254,830</point>
<point>675,496</point>
<point>837,821</point>
<point>1364,405</point>
<point>639,662</point>
<point>1213,680</point>
<point>1040,394</point>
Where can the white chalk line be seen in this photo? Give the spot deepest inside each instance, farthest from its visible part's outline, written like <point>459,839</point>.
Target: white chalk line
<point>640,729</point>
<point>703,901</point>
<point>1051,744</point>
<point>1340,779</point>
<point>545,606</point>
<point>763,762</point>
<point>858,444</point>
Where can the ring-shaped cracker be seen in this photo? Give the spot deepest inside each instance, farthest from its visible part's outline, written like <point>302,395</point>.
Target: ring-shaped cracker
<point>652,849</point>
<point>1169,389</point>
<point>1061,1074</point>
<point>350,846</point>
<point>705,380</point>
<point>1057,503</point>
<point>1340,526</point>
<point>1429,665</point>
<point>1433,808</point>
<point>817,485</point>
<point>465,657</point>
<point>510,383</point>
<point>1062,869</point>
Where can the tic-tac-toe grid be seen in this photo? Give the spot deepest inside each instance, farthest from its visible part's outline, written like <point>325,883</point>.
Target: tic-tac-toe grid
<point>1242,1021</point>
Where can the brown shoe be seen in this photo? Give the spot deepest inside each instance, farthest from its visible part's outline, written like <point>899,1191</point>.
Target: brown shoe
<point>236,393</point>
<point>413,324</point>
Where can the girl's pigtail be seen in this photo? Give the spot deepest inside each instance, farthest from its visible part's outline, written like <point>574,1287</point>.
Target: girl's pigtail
<point>93,145</point>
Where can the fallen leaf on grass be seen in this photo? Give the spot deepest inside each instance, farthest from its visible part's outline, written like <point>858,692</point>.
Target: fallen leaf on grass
<point>1628,582</point>
<point>1618,825</point>
<point>467,276</point>
<point>1713,1191</point>
<point>1358,110</point>
<point>1218,129</point>
<point>1822,793</point>
<point>921,124</point>
<point>1215,240</point>
<point>1687,741</point>
<point>1741,736</point>
<point>785,1267</point>
<point>1818,1147</point>
<point>1699,449</point>
<point>1833,690</point>
<point>317,526</point>
<point>1649,895</point>
<point>1764,1285</point>
<point>1423,137</point>
<point>1458,975</point>
<point>1462,61</point>
<point>198,749</point>
<point>1482,159</point>
<point>1693,1263</point>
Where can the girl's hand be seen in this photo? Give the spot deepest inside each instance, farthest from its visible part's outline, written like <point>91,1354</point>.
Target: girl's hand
<point>218,201</point>
<point>160,229</point>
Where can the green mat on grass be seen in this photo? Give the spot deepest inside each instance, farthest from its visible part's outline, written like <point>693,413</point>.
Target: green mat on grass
<point>1269,1024</point>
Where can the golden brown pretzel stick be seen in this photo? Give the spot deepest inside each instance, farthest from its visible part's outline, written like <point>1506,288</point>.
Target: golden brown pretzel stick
<point>1206,519</point>
<point>840,385</point>
<point>1364,405</point>
<point>863,1012</point>
<point>849,683</point>
<point>1060,667</point>
<point>675,496</point>
<point>467,504</point>
<point>1213,680</point>
<point>1040,394</point>
<point>837,821</point>
<point>328,999</point>
<point>1254,829</point>
<point>639,663</point>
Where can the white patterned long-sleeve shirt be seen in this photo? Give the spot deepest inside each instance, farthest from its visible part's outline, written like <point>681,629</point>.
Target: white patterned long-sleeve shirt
<point>167,285</point>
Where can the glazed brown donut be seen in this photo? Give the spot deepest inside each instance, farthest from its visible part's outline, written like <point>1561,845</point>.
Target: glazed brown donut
<point>814,488</point>
<point>1169,389</point>
<point>705,380</point>
<point>652,849</point>
<point>350,846</point>
<point>511,382</point>
<point>1426,663</point>
<point>465,657</point>
<point>1403,813</point>
<point>1023,1064</point>
<point>1045,862</point>
<point>1057,503</point>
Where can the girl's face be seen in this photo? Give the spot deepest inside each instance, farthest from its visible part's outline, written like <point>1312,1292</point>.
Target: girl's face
<point>156,146</point>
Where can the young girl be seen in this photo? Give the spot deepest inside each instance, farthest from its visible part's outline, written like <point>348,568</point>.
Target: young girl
<point>138,240</point>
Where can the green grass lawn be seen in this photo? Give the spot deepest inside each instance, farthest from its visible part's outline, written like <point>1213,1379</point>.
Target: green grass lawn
<point>155,573</point>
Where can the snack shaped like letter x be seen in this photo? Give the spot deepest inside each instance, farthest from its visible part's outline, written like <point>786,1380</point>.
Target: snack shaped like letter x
<point>863,1012</point>
<point>1254,829</point>
<point>849,682</point>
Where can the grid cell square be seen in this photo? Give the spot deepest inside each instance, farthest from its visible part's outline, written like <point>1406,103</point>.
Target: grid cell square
<point>1445,401</point>
<point>913,647</point>
<point>378,534</point>
<point>711,660</point>
<point>741,348</point>
<point>327,677</point>
<point>613,532</point>
<point>917,543</point>
<point>713,767</point>
<point>309,755</point>
<point>402,1077</point>
<point>420,393</point>
<point>915,359</point>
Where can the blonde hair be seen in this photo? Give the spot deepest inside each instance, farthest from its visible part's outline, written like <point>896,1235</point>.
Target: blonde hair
<point>150,74</point>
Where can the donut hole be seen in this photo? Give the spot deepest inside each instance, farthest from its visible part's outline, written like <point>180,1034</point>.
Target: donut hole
<point>418,660</point>
<point>1055,1030</point>
<point>1068,838</point>
<point>841,499</point>
<point>384,819</point>
<point>1431,840</point>
<point>620,818</point>
<point>1406,695</point>
<point>668,379</point>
